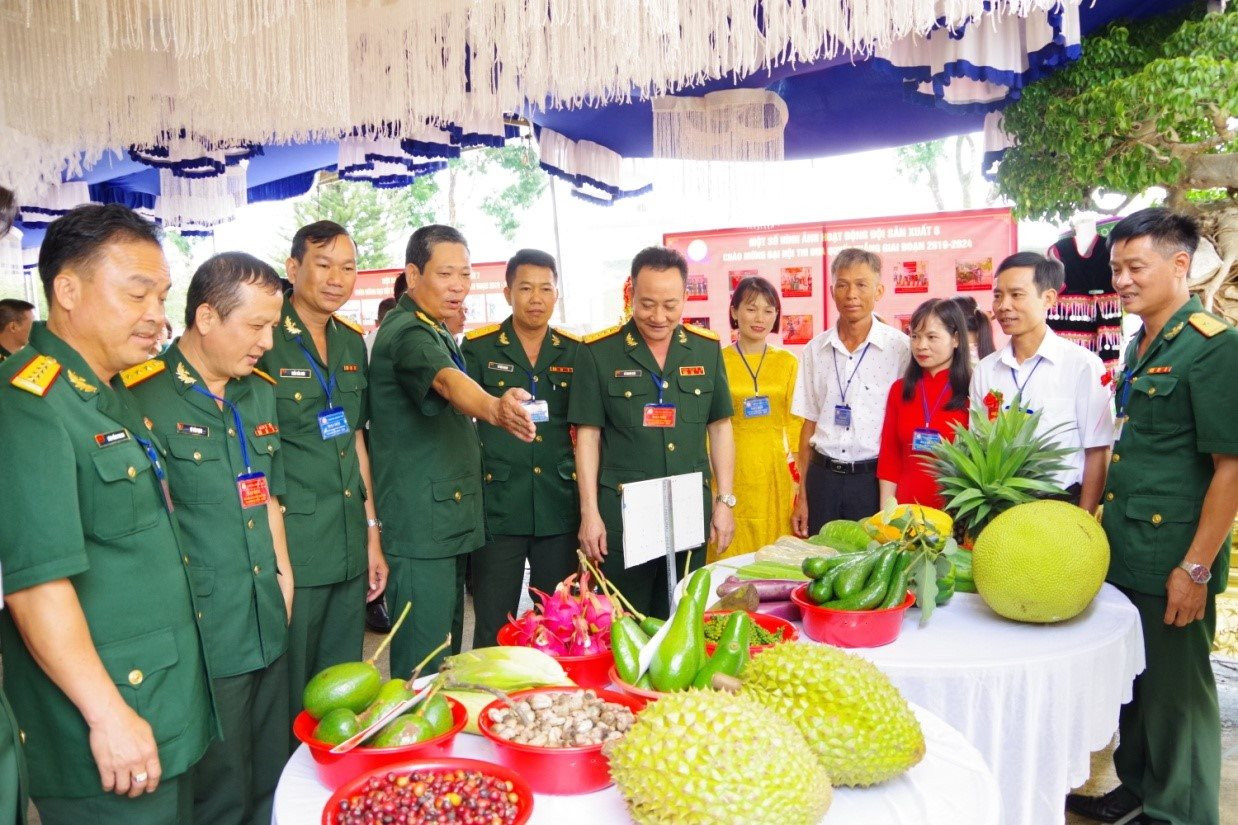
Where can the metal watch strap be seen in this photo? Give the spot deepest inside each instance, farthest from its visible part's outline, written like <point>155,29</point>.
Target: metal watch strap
<point>1198,573</point>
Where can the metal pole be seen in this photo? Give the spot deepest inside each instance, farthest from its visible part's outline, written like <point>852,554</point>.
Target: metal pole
<point>554,210</point>
<point>668,535</point>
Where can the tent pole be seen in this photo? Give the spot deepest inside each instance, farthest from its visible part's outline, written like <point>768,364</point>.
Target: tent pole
<point>554,210</point>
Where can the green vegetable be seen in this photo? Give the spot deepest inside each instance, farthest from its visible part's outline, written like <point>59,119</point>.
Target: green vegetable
<point>843,535</point>
<point>814,567</point>
<point>820,590</point>
<point>884,568</point>
<point>407,729</point>
<point>897,590</point>
<point>678,658</point>
<point>876,586</point>
<point>732,652</point>
<point>698,589</point>
<point>506,668</point>
<point>771,570</point>
<point>759,636</point>
<point>945,590</point>
<point>650,625</point>
<point>437,714</point>
<point>626,640</point>
<point>854,573</point>
<point>336,726</point>
<point>352,685</point>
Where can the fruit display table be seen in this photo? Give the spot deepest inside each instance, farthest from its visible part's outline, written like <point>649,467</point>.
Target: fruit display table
<point>1035,700</point>
<point>951,784</point>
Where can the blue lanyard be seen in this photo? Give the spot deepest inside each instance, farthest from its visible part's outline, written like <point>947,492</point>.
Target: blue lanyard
<point>450,343</point>
<point>924,400</point>
<point>1124,396</point>
<point>153,455</point>
<point>1014,377</point>
<point>236,419</point>
<point>327,384</point>
<point>657,384</point>
<point>843,389</point>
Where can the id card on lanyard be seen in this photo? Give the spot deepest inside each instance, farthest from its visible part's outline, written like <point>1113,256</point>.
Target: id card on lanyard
<point>842,411</point>
<point>152,455</point>
<point>1019,388</point>
<point>332,421</point>
<point>755,405</point>
<point>1124,398</point>
<point>251,486</point>
<point>925,438</point>
<point>539,409</point>
<point>659,414</point>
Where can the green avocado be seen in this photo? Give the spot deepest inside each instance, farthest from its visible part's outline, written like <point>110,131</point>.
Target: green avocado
<point>408,729</point>
<point>352,685</point>
<point>337,726</point>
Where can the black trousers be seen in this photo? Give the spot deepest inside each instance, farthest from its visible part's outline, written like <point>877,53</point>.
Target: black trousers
<point>834,495</point>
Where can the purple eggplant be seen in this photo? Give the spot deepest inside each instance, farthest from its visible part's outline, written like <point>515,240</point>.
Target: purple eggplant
<point>768,590</point>
<point>782,609</point>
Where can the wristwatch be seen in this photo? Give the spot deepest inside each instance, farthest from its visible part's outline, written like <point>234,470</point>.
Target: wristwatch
<point>373,522</point>
<point>1198,573</point>
<point>726,498</point>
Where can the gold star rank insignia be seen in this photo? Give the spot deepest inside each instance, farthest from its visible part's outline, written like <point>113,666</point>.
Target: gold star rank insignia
<point>290,327</point>
<point>182,374</point>
<point>79,383</point>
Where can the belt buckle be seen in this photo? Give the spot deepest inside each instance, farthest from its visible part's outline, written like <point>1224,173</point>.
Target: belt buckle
<point>838,467</point>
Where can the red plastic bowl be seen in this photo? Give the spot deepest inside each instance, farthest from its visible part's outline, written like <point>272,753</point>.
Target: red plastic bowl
<point>334,769</point>
<point>642,696</point>
<point>560,771</point>
<point>851,628</point>
<point>770,623</point>
<point>587,671</point>
<point>519,786</point>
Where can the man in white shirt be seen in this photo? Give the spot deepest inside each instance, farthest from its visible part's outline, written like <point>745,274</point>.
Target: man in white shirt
<point>1061,380</point>
<point>840,392</point>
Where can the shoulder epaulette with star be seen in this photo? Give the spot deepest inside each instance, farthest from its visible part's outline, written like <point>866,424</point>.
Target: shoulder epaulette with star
<point>571,336</point>
<point>1206,325</point>
<point>147,369</point>
<point>38,376</point>
<point>264,376</point>
<point>602,333</point>
<point>701,331</point>
<point>482,332</point>
<point>346,322</point>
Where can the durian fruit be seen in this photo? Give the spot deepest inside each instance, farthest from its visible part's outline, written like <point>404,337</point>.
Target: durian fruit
<point>858,723</point>
<point>702,757</point>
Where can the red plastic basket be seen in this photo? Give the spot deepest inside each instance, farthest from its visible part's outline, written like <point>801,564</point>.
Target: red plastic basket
<point>770,623</point>
<point>587,671</point>
<point>850,628</point>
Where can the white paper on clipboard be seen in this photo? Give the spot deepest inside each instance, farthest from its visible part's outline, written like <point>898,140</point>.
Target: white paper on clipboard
<point>645,515</point>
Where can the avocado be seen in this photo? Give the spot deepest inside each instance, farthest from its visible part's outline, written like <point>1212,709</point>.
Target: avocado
<point>403,730</point>
<point>438,713</point>
<point>337,726</point>
<point>352,685</point>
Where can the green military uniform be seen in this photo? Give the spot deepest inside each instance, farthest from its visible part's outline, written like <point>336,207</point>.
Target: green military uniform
<point>616,378</point>
<point>232,570</point>
<point>324,501</point>
<point>4,354</point>
<point>13,800</point>
<point>1180,399</point>
<point>93,511</point>
<point>530,489</point>
<point>427,475</point>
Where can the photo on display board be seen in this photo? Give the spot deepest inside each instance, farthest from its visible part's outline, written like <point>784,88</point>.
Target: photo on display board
<point>797,282</point>
<point>911,276</point>
<point>796,329</point>
<point>698,288</point>
<point>903,323</point>
<point>697,321</point>
<point>737,275</point>
<point>974,275</point>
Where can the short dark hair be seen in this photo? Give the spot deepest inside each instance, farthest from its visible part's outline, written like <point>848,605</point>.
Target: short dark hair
<point>399,287</point>
<point>318,233</point>
<point>12,309</point>
<point>751,287</point>
<point>77,237</point>
<point>531,257</point>
<point>1170,231</point>
<point>660,258</point>
<point>951,317</point>
<point>218,283</point>
<point>8,210</point>
<point>1047,273</point>
<point>977,324</point>
<point>421,243</point>
<point>385,306</point>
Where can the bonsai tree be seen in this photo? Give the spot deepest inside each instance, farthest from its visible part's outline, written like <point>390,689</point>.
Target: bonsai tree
<point>1150,104</point>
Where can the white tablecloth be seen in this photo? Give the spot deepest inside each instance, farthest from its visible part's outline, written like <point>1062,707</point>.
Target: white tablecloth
<point>1035,700</point>
<point>951,786</point>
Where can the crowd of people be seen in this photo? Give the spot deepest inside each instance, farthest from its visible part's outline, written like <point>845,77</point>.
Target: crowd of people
<point>195,534</point>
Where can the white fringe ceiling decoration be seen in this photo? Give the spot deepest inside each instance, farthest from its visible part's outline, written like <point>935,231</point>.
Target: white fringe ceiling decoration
<point>81,76</point>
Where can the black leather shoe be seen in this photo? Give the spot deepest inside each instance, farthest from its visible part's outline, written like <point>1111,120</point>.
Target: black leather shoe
<point>1116,806</point>
<point>377,619</point>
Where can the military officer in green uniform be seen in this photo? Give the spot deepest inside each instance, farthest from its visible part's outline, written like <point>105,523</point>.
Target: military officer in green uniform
<point>103,660</point>
<point>427,461</point>
<point>647,395</point>
<point>319,364</point>
<point>16,318</point>
<point>530,489</point>
<point>216,414</point>
<point>12,765</point>
<point>1169,506</point>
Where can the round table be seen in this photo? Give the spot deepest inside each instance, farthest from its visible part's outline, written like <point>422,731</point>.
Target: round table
<point>951,784</point>
<point>1035,700</point>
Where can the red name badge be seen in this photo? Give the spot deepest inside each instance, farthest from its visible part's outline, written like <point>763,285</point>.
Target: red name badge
<point>659,415</point>
<point>252,488</point>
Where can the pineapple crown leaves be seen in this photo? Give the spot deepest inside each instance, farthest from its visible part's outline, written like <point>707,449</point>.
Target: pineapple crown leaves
<point>996,464</point>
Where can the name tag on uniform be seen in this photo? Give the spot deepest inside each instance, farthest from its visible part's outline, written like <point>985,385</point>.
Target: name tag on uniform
<point>199,430</point>
<point>495,365</point>
<point>659,415</point>
<point>332,422</point>
<point>842,416</point>
<point>628,373</point>
<point>539,410</point>
<point>253,490</point>
<point>923,440</point>
<point>293,373</point>
<point>756,406</point>
<point>114,437</point>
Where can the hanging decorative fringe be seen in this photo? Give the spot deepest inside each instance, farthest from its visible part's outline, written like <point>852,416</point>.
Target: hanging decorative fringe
<point>382,162</point>
<point>53,203</point>
<point>598,174</point>
<point>734,124</point>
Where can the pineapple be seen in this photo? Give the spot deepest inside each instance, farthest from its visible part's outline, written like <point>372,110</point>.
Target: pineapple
<point>997,463</point>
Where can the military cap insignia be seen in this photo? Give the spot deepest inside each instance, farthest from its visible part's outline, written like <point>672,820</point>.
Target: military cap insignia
<point>482,332</point>
<point>147,369</point>
<point>264,376</point>
<point>182,374</point>
<point>348,322</point>
<point>290,327</point>
<point>701,331</point>
<point>600,334</point>
<point>1206,325</point>
<point>571,336</point>
<point>38,376</point>
<point>1160,370</point>
<point>629,340</point>
<point>79,383</point>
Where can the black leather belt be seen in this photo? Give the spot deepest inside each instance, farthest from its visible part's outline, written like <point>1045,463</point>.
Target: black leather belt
<point>844,467</point>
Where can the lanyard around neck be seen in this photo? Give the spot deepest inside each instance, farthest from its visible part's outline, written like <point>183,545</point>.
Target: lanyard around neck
<point>743,359</point>
<point>328,383</point>
<point>236,420</point>
<point>843,389</point>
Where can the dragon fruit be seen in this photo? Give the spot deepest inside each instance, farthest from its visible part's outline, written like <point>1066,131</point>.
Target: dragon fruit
<point>575,620</point>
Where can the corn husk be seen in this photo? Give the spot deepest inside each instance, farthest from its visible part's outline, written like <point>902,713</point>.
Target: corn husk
<point>792,550</point>
<point>506,668</point>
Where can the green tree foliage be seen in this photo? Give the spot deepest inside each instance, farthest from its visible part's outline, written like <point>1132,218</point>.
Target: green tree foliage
<point>1150,103</point>
<point>372,216</point>
<point>514,165</point>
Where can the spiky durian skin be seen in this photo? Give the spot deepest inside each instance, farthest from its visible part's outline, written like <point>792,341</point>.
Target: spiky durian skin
<point>860,726</point>
<point>703,757</point>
